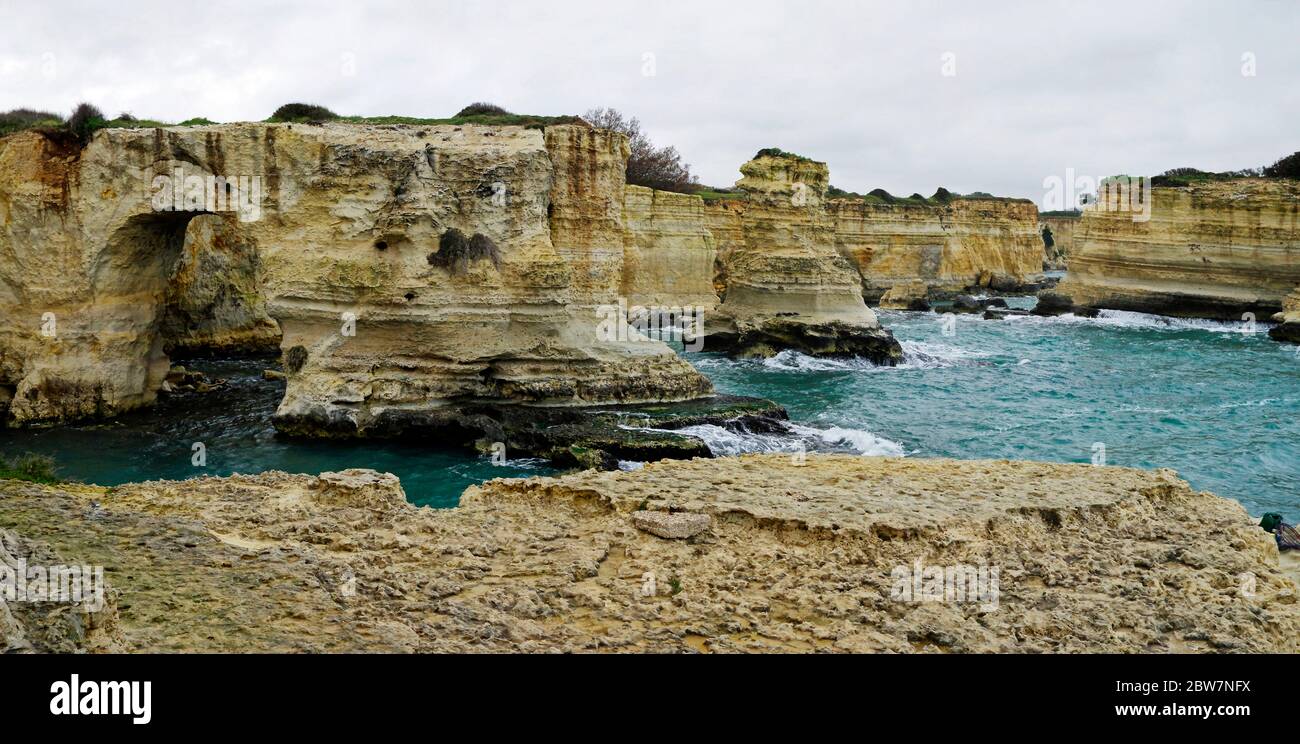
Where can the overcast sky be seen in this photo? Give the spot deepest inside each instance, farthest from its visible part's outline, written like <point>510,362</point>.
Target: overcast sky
<point>1039,86</point>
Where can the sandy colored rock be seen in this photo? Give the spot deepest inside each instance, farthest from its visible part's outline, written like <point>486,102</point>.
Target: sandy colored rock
<point>1218,249</point>
<point>786,286</point>
<point>344,249</point>
<point>62,627</point>
<point>1063,229</point>
<point>668,252</point>
<point>951,246</point>
<point>908,296</point>
<point>1288,328</point>
<point>671,526</point>
<point>798,559</point>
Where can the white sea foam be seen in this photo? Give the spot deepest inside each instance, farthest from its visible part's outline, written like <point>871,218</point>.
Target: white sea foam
<point>916,355</point>
<point>864,442</point>
<point>722,441</point>
<point>1144,321</point>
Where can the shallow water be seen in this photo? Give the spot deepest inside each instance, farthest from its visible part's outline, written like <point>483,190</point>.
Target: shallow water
<point>1219,405</point>
<point>234,426</point>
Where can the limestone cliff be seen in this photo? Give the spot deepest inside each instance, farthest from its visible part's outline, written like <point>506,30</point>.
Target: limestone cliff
<point>668,252</point>
<point>950,246</point>
<point>214,299</point>
<point>408,267</point>
<point>755,554</point>
<point>1218,249</point>
<point>786,286</point>
<point>1062,231</point>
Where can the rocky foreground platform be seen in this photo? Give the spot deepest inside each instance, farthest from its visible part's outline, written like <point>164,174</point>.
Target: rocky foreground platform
<point>750,554</point>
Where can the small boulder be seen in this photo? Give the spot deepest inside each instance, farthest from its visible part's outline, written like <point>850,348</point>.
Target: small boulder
<point>680,526</point>
<point>358,487</point>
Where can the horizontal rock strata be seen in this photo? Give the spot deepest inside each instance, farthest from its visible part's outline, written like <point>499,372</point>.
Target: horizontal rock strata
<point>668,252</point>
<point>950,246</point>
<point>792,559</point>
<point>1218,249</point>
<point>786,286</point>
<point>407,267</point>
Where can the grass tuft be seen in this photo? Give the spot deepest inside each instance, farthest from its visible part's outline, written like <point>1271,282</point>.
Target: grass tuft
<point>30,467</point>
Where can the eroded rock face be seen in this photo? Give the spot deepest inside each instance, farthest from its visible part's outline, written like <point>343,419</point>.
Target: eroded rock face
<point>906,296</point>
<point>786,286</point>
<point>1056,256</point>
<point>214,301</point>
<point>820,557</point>
<point>384,318</point>
<point>1220,249</point>
<point>56,626</point>
<point>950,247</point>
<point>668,252</point>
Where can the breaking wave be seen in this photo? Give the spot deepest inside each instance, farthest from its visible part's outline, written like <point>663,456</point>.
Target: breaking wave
<point>722,441</point>
<point>1147,321</point>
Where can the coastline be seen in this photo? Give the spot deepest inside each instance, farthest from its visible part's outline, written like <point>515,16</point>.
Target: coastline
<point>749,554</point>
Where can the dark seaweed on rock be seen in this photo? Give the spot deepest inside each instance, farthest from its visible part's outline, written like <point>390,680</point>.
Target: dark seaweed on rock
<point>295,358</point>
<point>456,252</point>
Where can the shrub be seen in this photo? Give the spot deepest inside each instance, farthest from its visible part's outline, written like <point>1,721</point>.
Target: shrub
<point>297,112</point>
<point>196,122</point>
<point>1287,167</point>
<point>482,108</point>
<point>85,119</point>
<point>30,467</point>
<point>655,167</point>
<point>456,252</point>
<point>19,119</point>
<point>776,152</point>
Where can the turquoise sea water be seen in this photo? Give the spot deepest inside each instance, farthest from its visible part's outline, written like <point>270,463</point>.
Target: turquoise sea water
<point>1220,405</point>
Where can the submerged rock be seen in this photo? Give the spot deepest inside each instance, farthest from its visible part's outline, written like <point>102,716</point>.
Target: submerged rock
<point>837,554</point>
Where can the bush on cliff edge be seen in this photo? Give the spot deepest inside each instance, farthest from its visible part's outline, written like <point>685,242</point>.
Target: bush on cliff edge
<point>1287,167</point>
<point>302,112</point>
<point>654,167</point>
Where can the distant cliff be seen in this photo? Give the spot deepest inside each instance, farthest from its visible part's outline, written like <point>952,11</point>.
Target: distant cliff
<point>1218,249</point>
<point>1062,232</point>
<point>949,246</point>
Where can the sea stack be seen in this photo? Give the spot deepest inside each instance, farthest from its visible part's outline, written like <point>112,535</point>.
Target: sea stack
<point>786,287</point>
